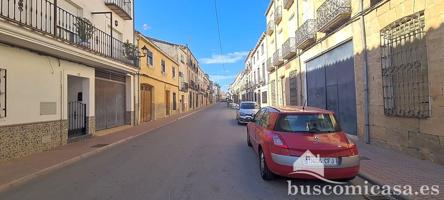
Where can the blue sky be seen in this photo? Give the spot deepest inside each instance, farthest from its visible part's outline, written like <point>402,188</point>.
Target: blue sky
<point>193,22</point>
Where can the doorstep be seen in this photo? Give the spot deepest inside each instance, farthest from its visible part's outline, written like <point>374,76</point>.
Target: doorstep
<point>111,130</point>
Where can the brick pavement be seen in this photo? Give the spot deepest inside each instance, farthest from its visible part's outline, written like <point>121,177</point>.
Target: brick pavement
<point>386,166</point>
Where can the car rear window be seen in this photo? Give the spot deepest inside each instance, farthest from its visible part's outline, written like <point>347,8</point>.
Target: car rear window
<point>248,106</point>
<point>307,123</point>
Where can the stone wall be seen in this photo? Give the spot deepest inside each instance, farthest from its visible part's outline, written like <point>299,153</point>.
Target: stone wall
<point>421,138</point>
<point>22,140</point>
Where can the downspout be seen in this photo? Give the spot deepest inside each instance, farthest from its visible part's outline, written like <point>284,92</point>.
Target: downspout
<point>276,87</point>
<point>299,56</point>
<point>365,65</point>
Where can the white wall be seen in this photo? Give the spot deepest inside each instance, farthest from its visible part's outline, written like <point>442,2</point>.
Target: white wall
<point>33,78</point>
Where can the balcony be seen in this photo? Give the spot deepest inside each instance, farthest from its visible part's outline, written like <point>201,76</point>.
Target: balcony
<point>332,14</point>
<point>184,86</point>
<point>121,8</point>
<point>270,66</point>
<point>278,15</point>
<point>288,3</point>
<point>64,26</point>
<point>289,48</point>
<point>270,27</point>
<point>277,58</point>
<point>306,34</point>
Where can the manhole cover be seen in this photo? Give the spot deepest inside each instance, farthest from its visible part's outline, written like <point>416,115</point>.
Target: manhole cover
<point>99,145</point>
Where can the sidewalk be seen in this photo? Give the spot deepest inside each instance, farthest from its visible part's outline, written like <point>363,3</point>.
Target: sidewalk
<point>19,171</point>
<point>388,167</point>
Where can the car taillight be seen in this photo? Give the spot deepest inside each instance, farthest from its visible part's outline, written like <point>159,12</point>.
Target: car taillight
<point>278,146</point>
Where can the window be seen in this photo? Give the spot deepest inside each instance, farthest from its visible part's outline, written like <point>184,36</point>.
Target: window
<point>273,92</point>
<point>162,63</point>
<point>174,72</point>
<point>262,49</point>
<point>149,58</point>
<point>307,123</point>
<point>264,97</point>
<point>404,68</point>
<point>2,93</point>
<point>374,2</point>
<point>174,101</point>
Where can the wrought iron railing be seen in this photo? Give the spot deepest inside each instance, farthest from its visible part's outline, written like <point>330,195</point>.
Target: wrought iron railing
<point>278,14</point>
<point>289,48</point>
<point>46,17</point>
<point>270,27</point>
<point>332,12</point>
<point>121,7</point>
<point>306,34</point>
<point>277,58</point>
<point>288,3</point>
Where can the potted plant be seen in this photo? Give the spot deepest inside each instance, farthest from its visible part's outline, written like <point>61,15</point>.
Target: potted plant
<point>129,51</point>
<point>84,29</point>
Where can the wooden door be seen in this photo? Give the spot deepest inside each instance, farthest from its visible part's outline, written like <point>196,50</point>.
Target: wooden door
<point>167,102</point>
<point>146,101</point>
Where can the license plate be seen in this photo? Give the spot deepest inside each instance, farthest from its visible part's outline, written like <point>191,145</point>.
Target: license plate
<point>313,161</point>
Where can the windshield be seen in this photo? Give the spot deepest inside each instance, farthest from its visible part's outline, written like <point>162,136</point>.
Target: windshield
<point>248,106</point>
<point>310,123</point>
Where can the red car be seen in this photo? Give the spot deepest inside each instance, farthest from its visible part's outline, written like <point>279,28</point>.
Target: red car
<point>282,135</point>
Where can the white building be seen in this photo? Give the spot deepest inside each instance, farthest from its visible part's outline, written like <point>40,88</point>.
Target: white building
<point>67,69</point>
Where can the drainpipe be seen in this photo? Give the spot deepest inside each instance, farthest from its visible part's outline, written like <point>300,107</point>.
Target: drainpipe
<point>365,65</point>
<point>276,87</point>
<point>299,56</point>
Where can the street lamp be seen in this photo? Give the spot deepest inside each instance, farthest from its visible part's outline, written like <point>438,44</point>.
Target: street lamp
<point>144,52</point>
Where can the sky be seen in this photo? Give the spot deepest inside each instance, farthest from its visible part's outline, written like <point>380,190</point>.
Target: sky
<point>193,23</point>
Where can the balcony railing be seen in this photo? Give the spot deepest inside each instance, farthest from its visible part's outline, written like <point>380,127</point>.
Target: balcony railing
<point>46,17</point>
<point>270,66</point>
<point>277,58</point>
<point>278,14</point>
<point>306,34</point>
<point>121,8</point>
<point>333,13</point>
<point>270,27</point>
<point>288,3</point>
<point>184,87</point>
<point>289,48</point>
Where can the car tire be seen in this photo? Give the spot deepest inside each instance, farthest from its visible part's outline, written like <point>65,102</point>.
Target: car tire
<point>266,174</point>
<point>248,139</point>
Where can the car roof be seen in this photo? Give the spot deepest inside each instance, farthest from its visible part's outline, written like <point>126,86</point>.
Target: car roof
<point>247,102</point>
<point>300,109</point>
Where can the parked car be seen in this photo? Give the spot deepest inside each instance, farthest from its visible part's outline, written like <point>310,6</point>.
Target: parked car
<point>246,111</point>
<point>280,136</point>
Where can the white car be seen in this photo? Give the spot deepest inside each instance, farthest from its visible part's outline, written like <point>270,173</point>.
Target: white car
<point>246,112</point>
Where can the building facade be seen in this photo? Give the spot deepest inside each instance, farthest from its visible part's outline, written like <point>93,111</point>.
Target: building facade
<point>80,65</point>
<point>374,62</point>
<point>159,82</point>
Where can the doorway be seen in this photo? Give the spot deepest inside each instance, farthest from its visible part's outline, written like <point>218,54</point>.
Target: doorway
<point>167,102</point>
<point>78,94</point>
<point>146,93</point>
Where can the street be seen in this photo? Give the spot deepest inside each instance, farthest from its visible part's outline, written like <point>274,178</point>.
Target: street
<point>203,156</point>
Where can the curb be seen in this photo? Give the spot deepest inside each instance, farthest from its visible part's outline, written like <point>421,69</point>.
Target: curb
<point>29,177</point>
<point>375,182</point>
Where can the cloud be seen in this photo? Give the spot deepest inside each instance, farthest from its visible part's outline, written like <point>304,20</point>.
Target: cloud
<point>217,78</point>
<point>225,59</point>
<point>146,27</point>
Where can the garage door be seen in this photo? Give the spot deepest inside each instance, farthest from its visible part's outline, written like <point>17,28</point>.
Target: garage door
<point>110,100</point>
<point>331,85</point>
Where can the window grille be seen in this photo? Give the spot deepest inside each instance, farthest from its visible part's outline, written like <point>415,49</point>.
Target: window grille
<point>293,88</point>
<point>273,92</point>
<point>404,68</point>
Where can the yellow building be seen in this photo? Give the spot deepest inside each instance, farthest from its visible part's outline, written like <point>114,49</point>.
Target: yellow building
<point>159,82</point>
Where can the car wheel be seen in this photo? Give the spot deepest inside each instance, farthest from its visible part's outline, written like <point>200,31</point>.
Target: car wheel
<point>266,174</point>
<point>248,139</point>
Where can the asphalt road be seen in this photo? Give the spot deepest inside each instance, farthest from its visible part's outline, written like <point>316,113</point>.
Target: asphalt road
<point>203,156</point>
